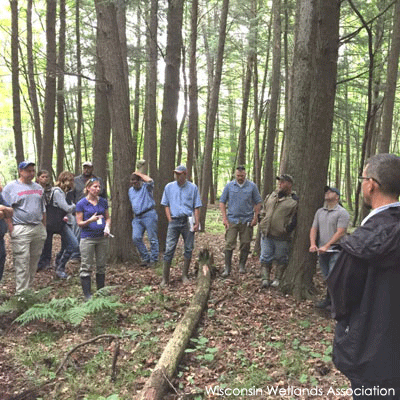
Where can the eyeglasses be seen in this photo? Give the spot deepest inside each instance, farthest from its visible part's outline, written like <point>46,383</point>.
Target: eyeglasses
<point>361,178</point>
<point>93,179</point>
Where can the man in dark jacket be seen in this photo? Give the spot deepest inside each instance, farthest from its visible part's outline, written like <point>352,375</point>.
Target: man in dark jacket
<point>365,288</point>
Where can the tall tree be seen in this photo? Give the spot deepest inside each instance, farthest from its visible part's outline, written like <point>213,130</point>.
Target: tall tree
<point>212,113</point>
<point>60,89</point>
<point>391,79</point>
<point>151,89</point>
<point>102,119</point>
<point>273,105</point>
<point>111,55</point>
<point>311,121</point>
<point>170,104</point>
<point>193,124</point>
<point>19,147</point>
<point>51,87</point>
<point>31,79</point>
<point>78,155</point>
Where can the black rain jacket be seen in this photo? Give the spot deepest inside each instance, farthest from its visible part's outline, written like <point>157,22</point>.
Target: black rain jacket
<point>365,289</point>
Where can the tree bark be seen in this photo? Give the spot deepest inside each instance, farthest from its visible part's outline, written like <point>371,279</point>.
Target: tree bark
<point>193,123</point>
<point>269,179</point>
<point>157,384</point>
<point>102,119</point>
<point>212,114</point>
<point>391,79</point>
<point>170,107</point>
<point>51,87</point>
<point>78,156</point>
<point>111,55</point>
<point>60,90</point>
<point>19,147</point>
<point>311,120</point>
<point>31,78</point>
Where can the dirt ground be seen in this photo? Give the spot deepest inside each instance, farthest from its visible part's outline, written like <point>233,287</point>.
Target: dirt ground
<point>259,339</point>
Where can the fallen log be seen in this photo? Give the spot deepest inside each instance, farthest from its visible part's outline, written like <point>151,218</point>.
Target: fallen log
<point>160,378</point>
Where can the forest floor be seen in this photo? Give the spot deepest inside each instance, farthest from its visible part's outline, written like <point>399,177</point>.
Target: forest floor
<point>251,343</point>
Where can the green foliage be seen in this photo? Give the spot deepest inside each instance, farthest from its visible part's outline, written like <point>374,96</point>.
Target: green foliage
<point>201,347</point>
<point>69,309</point>
<point>24,301</point>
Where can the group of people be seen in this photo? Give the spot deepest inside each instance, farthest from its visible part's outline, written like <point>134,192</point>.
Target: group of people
<point>362,270</point>
<point>73,208</point>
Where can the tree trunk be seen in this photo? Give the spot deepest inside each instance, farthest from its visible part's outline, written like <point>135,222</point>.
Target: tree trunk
<point>60,90</point>
<point>391,79</point>
<point>311,120</point>
<point>151,93</point>
<point>193,123</point>
<point>19,147</point>
<point>245,105</point>
<point>157,384</point>
<point>136,102</point>
<point>78,156</point>
<point>170,107</point>
<point>102,121</point>
<point>207,164</point>
<point>51,87</point>
<point>185,107</point>
<point>269,181</point>
<point>31,78</point>
<point>111,55</point>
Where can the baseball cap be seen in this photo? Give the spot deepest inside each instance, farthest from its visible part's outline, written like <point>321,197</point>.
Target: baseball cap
<point>25,164</point>
<point>180,168</point>
<point>332,189</point>
<point>87,164</point>
<point>285,177</point>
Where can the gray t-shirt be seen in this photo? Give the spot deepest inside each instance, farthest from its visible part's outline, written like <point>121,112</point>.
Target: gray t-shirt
<point>27,201</point>
<point>327,221</point>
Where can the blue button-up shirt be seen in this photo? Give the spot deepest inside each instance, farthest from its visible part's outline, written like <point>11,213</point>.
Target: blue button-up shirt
<point>241,201</point>
<point>181,200</point>
<point>142,199</point>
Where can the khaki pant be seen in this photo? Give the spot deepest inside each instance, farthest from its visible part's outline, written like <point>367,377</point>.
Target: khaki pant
<point>94,252</point>
<point>27,244</point>
<point>245,233</point>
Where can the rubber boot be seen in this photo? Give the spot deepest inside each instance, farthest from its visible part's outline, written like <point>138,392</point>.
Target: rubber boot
<point>265,274</point>
<point>185,270</point>
<point>86,286</point>
<point>165,275</point>
<point>324,303</point>
<point>280,269</point>
<point>228,263</point>
<point>242,261</point>
<point>100,279</point>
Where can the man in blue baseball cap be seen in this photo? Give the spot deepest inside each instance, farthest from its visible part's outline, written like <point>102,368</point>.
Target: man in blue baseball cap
<point>182,203</point>
<point>28,229</point>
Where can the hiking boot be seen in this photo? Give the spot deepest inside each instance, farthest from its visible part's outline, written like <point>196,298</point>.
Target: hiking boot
<point>185,270</point>
<point>100,280</point>
<point>86,287</point>
<point>228,263</point>
<point>165,277</point>
<point>265,274</point>
<point>242,261</point>
<point>62,275</point>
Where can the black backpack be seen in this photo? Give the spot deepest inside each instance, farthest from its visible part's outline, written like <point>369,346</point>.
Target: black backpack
<point>54,216</point>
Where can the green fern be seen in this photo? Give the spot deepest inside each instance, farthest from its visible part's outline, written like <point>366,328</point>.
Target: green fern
<point>24,301</point>
<point>69,309</point>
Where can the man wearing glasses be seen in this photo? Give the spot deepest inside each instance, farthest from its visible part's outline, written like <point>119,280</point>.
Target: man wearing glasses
<point>365,288</point>
<point>329,226</point>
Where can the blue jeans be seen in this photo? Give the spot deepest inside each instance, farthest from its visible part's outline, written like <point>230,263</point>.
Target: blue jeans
<point>69,245</point>
<point>45,257</point>
<point>146,222</point>
<point>274,249</point>
<point>327,261</point>
<point>178,226</point>
<point>2,256</point>
<point>77,232</point>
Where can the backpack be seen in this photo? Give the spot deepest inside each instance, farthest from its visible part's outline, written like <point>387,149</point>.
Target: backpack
<point>54,215</point>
